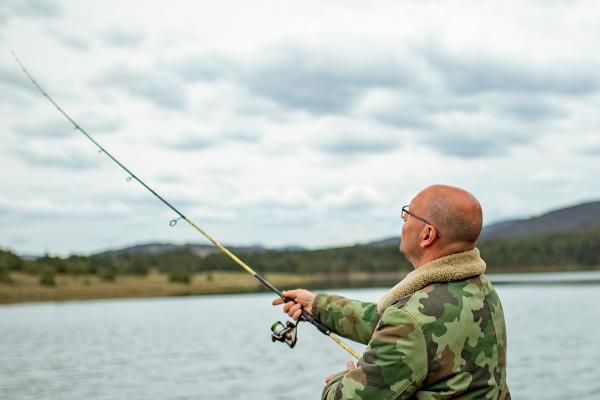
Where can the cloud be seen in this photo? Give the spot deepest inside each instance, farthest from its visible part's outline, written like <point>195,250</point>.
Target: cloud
<point>60,128</point>
<point>170,178</point>
<point>243,135</point>
<point>593,151</point>
<point>200,140</point>
<point>349,137</point>
<point>323,82</point>
<point>471,126</point>
<point>12,77</point>
<point>289,198</point>
<point>56,128</point>
<point>406,110</point>
<point>531,110</point>
<point>409,101</point>
<point>412,117</point>
<point>42,206</point>
<point>282,207</point>
<point>552,177</point>
<point>28,8</point>
<point>96,123</point>
<point>123,37</point>
<point>63,160</point>
<point>208,67</point>
<point>285,207</point>
<point>475,134</point>
<point>458,144</point>
<point>353,198</point>
<point>304,77</point>
<point>213,214</point>
<point>19,241</point>
<point>348,144</point>
<point>70,39</point>
<point>161,89</point>
<point>192,142</point>
<point>479,73</point>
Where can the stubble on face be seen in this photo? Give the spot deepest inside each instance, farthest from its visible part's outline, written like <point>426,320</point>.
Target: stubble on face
<point>405,244</point>
<point>410,233</point>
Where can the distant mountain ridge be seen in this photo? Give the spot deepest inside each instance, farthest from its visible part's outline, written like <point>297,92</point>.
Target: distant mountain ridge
<point>579,217</point>
<point>161,248</point>
<point>387,242</point>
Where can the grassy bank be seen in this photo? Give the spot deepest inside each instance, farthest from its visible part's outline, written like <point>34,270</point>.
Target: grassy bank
<point>26,287</point>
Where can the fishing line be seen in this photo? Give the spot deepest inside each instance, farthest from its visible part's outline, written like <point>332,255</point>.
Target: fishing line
<point>286,334</point>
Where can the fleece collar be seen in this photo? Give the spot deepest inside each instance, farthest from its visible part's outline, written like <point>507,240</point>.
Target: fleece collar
<point>454,267</point>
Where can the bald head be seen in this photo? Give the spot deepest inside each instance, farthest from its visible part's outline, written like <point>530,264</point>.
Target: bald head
<point>454,211</point>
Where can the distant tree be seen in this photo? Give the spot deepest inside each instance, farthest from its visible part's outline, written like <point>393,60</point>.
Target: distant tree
<point>4,274</point>
<point>569,250</point>
<point>180,274</point>
<point>10,261</point>
<point>138,266</point>
<point>47,276</point>
<point>108,274</point>
<point>73,265</point>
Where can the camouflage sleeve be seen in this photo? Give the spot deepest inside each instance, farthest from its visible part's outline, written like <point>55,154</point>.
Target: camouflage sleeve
<point>393,366</point>
<point>353,319</point>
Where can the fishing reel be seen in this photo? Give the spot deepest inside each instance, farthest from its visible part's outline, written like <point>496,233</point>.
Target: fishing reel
<point>287,333</point>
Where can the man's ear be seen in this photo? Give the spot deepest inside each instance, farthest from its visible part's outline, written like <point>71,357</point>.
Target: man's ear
<point>427,236</point>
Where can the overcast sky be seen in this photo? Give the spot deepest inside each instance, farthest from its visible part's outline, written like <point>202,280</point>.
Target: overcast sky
<point>289,122</point>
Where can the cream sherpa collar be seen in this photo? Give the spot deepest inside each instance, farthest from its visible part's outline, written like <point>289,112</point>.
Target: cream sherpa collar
<point>454,267</point>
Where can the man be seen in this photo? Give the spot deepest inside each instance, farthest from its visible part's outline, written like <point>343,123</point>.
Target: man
<point>440,332</point>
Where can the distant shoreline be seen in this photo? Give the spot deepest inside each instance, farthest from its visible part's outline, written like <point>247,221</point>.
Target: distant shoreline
<point>26,289</point>
<point>546,278</point>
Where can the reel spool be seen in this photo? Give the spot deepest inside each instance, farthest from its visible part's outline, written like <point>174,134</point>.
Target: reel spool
<point>287,333</point>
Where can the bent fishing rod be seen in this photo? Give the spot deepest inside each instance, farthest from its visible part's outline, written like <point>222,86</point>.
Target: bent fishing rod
<point>280,332</point>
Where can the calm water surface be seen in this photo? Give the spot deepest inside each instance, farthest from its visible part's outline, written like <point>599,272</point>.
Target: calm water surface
<point>219,347</point>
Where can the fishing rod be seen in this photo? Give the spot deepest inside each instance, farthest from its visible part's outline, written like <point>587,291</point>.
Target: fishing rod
<point>283,333</point>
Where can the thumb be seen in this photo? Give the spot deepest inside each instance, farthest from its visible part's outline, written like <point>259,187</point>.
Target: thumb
<point>350,365</point>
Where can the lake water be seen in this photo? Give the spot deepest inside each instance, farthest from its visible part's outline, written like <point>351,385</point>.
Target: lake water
<point>219,347</point>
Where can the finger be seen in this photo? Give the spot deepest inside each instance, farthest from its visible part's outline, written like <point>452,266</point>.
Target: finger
<point>350,365</point>
<point>297,315</point>
<point>293,309</point>
<point>277,301</point>
<point>287,306</point>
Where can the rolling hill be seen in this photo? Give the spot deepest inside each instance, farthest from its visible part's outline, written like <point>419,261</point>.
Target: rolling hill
<point>581,217</point>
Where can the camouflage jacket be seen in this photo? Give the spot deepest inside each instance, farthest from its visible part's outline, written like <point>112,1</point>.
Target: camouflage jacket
<point>438,334</point>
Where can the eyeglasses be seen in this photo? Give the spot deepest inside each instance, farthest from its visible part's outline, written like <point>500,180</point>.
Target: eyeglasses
<point>406,212</point>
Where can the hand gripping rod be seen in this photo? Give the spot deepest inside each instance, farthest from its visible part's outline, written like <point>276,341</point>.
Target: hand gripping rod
<point>305,315</point>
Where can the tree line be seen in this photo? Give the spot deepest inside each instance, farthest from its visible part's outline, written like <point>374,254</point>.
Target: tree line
<point>569,251</point>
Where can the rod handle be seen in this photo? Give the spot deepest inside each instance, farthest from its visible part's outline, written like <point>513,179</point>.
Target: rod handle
<point>309,318</point>
<point>317,324</point>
